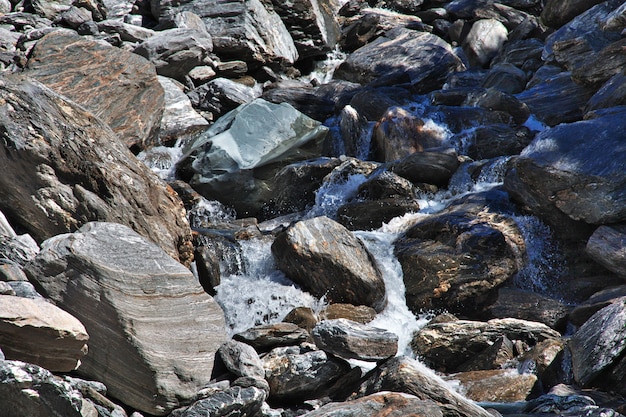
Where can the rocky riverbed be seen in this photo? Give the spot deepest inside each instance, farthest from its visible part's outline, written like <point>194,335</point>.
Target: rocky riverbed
<point>317,207</point>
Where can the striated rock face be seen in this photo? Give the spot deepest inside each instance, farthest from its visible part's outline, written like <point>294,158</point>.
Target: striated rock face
<point>328,260</point>
<point>117,86</point>
<point>80,172</point>
<point>352,340</point>
<point>380,404</point>
<point>563,174</point>
<point>36,331</point>
<point>137,303</point>
<point>402,56</point>
<point>28,390</point>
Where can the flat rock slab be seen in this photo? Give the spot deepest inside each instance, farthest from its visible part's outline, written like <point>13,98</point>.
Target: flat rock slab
<point>154,331</point>
<point>36,331</point>
<point>351,340</point>
<point>328,260</point>
<point>119,87</point>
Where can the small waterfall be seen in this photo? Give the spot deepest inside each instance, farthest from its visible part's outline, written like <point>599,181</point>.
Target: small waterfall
<point>334,193</point>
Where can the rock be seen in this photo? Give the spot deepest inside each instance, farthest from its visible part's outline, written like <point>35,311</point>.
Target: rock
<point>583,311</point>
<point>484,41</point>
<point>499,355</point>
<point>303,317</point>
<point>556,13</point>
<point>598,68</point>
<point>448,345</point>
<point>351,340</point>
<point>74,17</point>
<point>456,259</point>
<point>133,298</point>
<point>245,30</point>
<point>563,174</point>
<point>506,77</point>
<point>17,250</point>
<point>492,141</point>
<point>495,100</point>
<point>266,337</point>
<point>542,357</point>
<point>35,331</point>
<point>319,253</point>
<point>50,9</point>
<point>384,403</point>
<point>241,359</point>
<point>221,95</point>
<point>174,52</point>
<point>431,167</point>
<point>298,372</point>
<point>305,98</point>
<point>498,385</point>
<point>420,59</point>
<point>606,246</point>
<point>598,345</point>
<point>312,24</point>
<point>360,314</point>
<point>399,134</point>
<point>234,401</point>
<point>525,305</point>
<point>127,32</point>
<point>372,214</point>
<point>179,120</point>
<point>80,172</point>
<point>28,390</point>
<point>118,87</point>
<point>296,184</point>
<point>612,93</point>
<point>222,159</point>
<point>406,375</point>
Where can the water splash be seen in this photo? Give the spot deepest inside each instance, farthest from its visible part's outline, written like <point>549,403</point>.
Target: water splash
<point>396,317</point>
<point>324,70</point>
<point>162,160</point>
<point>260,294</point>
<point>206,212</point>
<point>334,193</point>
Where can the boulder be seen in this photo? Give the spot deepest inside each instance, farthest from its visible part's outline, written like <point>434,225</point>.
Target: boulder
<point>360,314</point>
<point>118,87</point>
<point>456,259</point>
<point>583,311</point>
<point>557,99</point>
<point>126,31</point>
<point>267,337</point>
<point>153,330</point>
<point>434,166</point>
<point>599,345</point>
<point>526,305</point>
<point>383,403</point>
<point>492,141</point>
<point>28,390</point>
<point>307,99</point>
<point>312,24</point>
<point>351,340</point>
<point>174,52</point>
<point>484,41</point>
<point>241,359</point>
<point>50,9</point>
<point>222,160</point>
<point>221,95</point>
<point>449,345</point>
<point>599,67</point>
<point>246,30</point>
<point>233,401</point>
<point>406,375</point>
<point>606,246</point>
<point>556,13</point>
<point>612,93</point>
<point>301,372</point>
<point>36,331</point>
<point>179,120</point>
<point>419,59</point>
<point>79,172</point>
<point>328,260</point>
<point>399,133</point>
<point>564,175</point>
<point>498,385</point>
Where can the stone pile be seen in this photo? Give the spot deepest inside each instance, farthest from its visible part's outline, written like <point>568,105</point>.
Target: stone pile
<point>100,314</point>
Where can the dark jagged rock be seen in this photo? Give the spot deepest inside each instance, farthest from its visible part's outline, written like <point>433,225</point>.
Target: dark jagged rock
<point>234,401</point>
<point>82,172</point>
<point>530,306</point>
<point>221,95</point>
<point>419,59</point>
<point>320,253</point>
<point>558,12</point>
<point>266,337</point>
<point>430,167</point>
<point>137,303</point>
<point>118,87</point>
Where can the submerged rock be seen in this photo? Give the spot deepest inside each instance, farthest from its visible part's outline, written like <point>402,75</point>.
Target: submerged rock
<point>328,260</point>
<point>137,304</point>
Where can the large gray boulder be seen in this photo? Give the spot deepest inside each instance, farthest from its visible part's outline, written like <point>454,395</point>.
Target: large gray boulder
<point>383,403</point>
<point>221,163</point>
<point>64,167</point>
<point>117,86</point>
<point>246,30</point>
<point>572,172</point>
<point>28,390</point>
<point>326,259</point>
<point>154,331</point>
<point>484,41</point>
<point>402,56</point>
<point>36,331</point>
